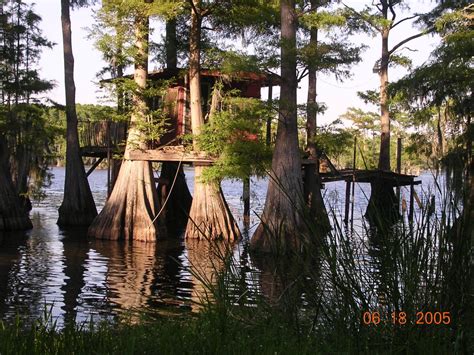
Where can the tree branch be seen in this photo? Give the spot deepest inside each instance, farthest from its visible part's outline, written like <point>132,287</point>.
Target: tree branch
<point>394,15</point>
<point>406,40</point>
<point>403,20</point>
<point>194,8</point>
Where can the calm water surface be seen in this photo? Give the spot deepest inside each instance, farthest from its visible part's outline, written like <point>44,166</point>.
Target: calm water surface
<point>76,278</point>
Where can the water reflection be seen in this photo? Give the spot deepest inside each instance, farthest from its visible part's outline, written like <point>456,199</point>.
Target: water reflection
<point>77,279</point>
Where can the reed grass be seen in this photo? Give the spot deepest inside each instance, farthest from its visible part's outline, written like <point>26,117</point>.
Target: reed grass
<point>307,302</point>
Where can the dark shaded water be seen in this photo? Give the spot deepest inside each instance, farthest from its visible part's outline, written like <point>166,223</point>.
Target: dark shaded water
<point>76,278</point>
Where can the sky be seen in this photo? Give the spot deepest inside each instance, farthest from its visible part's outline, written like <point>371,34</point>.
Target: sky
<point>338,96</point>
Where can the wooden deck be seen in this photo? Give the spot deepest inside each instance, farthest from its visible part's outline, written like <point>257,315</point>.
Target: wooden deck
<point>368,176</point>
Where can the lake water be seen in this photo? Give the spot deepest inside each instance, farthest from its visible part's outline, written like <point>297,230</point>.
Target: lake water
<point>73,277</point>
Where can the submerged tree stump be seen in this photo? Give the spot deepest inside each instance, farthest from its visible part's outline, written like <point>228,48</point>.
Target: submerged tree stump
<point>210,216</point>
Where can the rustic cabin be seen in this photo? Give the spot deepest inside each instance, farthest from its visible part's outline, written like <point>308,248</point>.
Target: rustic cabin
<point>98,137</point>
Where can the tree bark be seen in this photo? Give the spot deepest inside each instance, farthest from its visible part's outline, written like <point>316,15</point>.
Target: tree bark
<point>131,212</point>
<point>281,227</point>
<point>209,217</point>
<point>312,180</point>
<point>12,215</point>
<point>77,208</point>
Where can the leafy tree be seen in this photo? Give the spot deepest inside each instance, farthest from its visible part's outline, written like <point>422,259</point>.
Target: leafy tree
<point>24,134</point>
<point>381,18</point>
<point>329,57</point>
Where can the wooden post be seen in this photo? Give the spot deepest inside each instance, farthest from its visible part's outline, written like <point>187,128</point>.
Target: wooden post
<point>399,166</point>
<point>348,198</point>
<point>412,193</point>
<point>108,157</point>
<point>268,138</point>
<point>246,199</point>
<point>353,182</point>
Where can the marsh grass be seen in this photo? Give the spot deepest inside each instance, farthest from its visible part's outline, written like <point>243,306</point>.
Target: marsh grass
<point>322,291</point>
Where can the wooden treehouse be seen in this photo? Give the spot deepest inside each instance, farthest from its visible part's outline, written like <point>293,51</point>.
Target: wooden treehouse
<point>104,139</point>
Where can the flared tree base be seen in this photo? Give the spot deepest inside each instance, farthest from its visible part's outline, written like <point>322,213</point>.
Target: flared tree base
<point>12,215</point>
<point>318,220</point>
<point>383,207</point>
<point>210,217</point>
<point>131,212</point>
<point>69,217</point>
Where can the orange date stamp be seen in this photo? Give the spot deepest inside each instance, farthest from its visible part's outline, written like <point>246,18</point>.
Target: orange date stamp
<point>402,318</point>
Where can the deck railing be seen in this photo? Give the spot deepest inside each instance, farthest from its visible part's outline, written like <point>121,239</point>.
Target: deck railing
<point>101,133</point>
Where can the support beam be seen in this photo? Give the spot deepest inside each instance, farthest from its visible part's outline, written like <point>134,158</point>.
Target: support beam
<point>347,201</point>
<point>268,135</point>
<point>399,165</point>
<point>412,202</point>
<point>95,165</point>
<point>246,200</point>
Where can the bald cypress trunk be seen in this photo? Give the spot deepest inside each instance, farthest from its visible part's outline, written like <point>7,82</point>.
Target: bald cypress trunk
<point>77,208</point>
<point>383,204</point>
<point>131,212</point>
<point>209,217</point>
<point>312,180</point>
<point>281,228</point>
<point>13,216</point>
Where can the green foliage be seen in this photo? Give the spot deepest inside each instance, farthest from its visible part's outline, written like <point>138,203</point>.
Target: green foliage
<point>26,132</point>
<point>334,140</point>
<point>234,136</point>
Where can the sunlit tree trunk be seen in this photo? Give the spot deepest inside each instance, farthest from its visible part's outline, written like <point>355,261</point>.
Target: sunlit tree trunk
<point>281,226</point>
<point>78,206</point>
<point>131,212</point>
<point>209,217</point>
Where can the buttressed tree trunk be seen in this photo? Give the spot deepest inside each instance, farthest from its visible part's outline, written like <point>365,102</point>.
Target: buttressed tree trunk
<point>12,215</point>
<point>77,208</point>
<point>131,212</point>
<point>178,197</point>
<point>312,180</point>
<point>209,217</point>
<point>281,228</point>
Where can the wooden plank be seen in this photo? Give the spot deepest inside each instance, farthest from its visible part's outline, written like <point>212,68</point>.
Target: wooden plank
<point>161,155</point>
